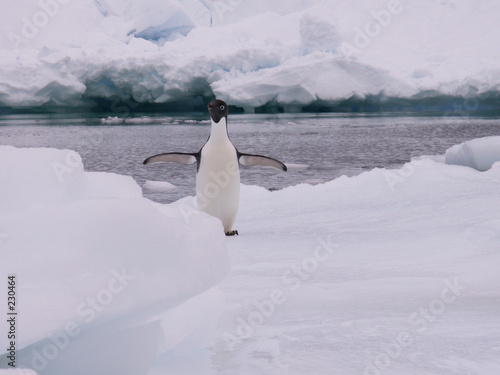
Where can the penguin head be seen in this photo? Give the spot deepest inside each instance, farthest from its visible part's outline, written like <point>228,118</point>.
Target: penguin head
<point>217,109</point>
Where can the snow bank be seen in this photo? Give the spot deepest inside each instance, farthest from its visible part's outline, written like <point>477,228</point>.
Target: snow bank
<point>479,153</point>
<point>285,53</point>
<point>97,266</point>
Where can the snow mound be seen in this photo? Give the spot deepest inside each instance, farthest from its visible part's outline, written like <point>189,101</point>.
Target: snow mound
<point>479,153</point>
<point>97,266</point>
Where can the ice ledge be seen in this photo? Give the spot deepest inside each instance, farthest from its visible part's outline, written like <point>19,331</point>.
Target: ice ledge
<point>436,104</point>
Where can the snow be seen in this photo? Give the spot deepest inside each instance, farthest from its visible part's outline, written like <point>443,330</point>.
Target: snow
<point>391,271</point>
<point>480,154</point>
<point>101,272</point>
<point>387,272</point>
<point>280,53</point>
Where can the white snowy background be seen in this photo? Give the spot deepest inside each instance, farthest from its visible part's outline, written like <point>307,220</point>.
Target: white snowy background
<point>388,272</point>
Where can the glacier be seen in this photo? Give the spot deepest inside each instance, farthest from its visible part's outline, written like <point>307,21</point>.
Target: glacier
<point>121,56</point>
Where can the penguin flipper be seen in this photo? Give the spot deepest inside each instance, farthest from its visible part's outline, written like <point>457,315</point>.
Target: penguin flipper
<point>175,157</point>
<point>251,160</point>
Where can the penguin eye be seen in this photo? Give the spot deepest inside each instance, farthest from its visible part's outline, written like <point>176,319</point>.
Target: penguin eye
<point>222,107</point>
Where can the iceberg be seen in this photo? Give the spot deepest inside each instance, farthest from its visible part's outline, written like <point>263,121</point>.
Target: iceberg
<point>106,279</point>
<point>480,153</point>
<point>120,56</point>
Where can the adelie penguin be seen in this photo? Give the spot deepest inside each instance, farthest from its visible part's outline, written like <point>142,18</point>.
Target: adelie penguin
<point>218,172</point>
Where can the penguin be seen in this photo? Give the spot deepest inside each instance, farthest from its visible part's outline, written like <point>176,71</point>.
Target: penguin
<point>218,169</point>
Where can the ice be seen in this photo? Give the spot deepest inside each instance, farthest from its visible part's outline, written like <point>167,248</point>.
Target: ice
<point>143,120</point>
<point>112,120</point>
<point>291,54</point>
<point>26,170</point>
<point>303,80</point>
<point>479,154</point>
<point>392,271</point>
<point>159,186</point>
<point>388,272</point>
<point>102,273</point>
<point>296,167</point>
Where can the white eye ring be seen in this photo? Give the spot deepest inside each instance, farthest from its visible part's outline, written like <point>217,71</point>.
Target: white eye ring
<point>222,107</point>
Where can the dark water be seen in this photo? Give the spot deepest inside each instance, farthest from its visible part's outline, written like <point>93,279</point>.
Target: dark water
<point>330,145</point>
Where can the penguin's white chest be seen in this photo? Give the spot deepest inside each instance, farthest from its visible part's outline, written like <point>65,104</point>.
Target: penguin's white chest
<point>218,181</point>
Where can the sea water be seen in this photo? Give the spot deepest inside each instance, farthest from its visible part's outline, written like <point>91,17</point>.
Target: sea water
<point>317,147</point>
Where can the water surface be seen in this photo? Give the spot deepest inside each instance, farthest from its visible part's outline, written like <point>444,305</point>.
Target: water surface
<point>329,145</point>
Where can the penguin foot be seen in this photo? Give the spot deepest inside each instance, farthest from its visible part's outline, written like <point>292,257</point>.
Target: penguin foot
<point>232,233</point>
